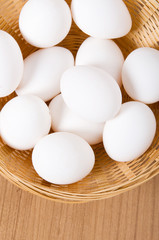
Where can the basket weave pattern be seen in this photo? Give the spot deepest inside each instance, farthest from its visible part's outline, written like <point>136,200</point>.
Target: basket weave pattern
<point>109,178</point>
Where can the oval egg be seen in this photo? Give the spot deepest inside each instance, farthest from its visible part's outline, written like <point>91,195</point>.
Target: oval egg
<point>101,53</point>
<point>23,121</point>
<point>91,93</point>
<point>11,64</point>
<point>140,75</point>
<point>45,23</point>
<point>130,133</point>
<point>64,120</point>
<point>102,19</point>
<point>43,70</point>
<point>63,158</point>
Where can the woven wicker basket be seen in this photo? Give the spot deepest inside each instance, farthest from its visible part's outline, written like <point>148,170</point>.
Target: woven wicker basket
<point>108,178</point>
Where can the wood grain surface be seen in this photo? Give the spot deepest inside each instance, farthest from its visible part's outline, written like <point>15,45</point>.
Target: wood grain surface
<point>131,216</point>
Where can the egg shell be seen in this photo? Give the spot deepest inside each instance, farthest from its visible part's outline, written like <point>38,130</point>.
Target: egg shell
<point>130,133</point>
<point>102,19</point>
<point>63,158</point>
<point>91,93</point>
<point>64,120</point>
<point>43,70</point>
<point>101,53</point>
<point>24,120</point>
<point>45,23</point>
<point>140,75</point>
<point>11,64</point>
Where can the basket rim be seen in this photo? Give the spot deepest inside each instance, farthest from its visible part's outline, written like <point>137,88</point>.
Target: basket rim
<point>56,198</point>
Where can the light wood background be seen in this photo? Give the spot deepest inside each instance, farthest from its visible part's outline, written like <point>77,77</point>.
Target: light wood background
<point>131,216</point>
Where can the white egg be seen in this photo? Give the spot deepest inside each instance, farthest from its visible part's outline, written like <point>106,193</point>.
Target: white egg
<point>64,120</point>
<point>11,64</point>
<point>43,70</point>
<point>140,75</point>
<point>23,121</point>
<point>102,19</point>
<point>91,93</point>
<point>101,53</point>
<point>45,23</point>
<point>63,158</point>
<point>130,133</point>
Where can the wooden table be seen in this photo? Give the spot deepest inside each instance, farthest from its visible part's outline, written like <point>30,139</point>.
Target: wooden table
<point>130,216</point>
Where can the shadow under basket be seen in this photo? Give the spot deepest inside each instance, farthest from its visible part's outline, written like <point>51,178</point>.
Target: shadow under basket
<point>109,178</point>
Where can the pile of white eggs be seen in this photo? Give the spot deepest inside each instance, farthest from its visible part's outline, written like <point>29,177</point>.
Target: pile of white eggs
<point>86,101</point>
